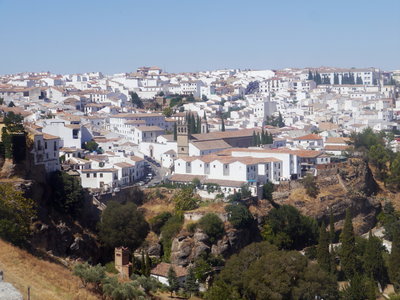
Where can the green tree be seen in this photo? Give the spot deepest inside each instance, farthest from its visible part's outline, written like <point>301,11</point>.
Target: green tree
<point>116,290</point>
<point>288,229</point>
<point>91,146</point>
<point>379,157</point>
<point>1,101</point>
<point>310,75</point>
<point>68,194</point>
<point>373,263</point>
<point>332,234</point>
<point>173,283</point>
<point>356,289</point>
<point>157,222</point>
<point>90,274</point>
<point>168,232</point>
<point>310,184</point>
<point>11,104</point>
<point>394,261</point>
<point>122,225</point>
<point>254,139</point>
<point>239,215</point>
<point>135,99</point>
<point>268,189</point>
<point>348,259</point>
<point>260,271</point>
<point>167,112</point>
<point>148,265</point>
<point>16,214</point>
<point>185,200</point>
<point>222,124</point>
<point>175,132</point>
<point>191,285</point>
<point>212,225</point>
<point>323,255</point>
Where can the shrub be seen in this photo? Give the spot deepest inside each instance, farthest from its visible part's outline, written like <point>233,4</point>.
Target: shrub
<point>212,225</point>
<point>238,215</point>
<point>158,221</point>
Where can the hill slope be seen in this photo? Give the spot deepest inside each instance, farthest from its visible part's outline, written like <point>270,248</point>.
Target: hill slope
<point>48,281</point>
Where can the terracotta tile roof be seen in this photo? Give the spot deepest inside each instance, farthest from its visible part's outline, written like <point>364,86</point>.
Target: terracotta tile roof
<point>209,145</point>
<point>47,136</point>
<point>225,134</point>
<point>337,140</point>
<point>186,177</point>
<point>150,128</point>
<point>336,147</point>
<point>124,165</point>
<point>229,183</point>
<point>98,170</point>
<point>136,158</point>
<point>162,270</point>
<point>308,137</point>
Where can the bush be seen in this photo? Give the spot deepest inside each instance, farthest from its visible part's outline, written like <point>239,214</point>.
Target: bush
<point>168,232</point>
<point>110,268</point>
<point>185,200</point>
<point>191,227</point>
<point>158,221</point>
<point>310,185</point>
<point>16,214</point>
<point>90,274</point>
<point>212,225</point>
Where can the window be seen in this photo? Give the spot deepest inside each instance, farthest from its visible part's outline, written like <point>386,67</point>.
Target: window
<point>87,175</point>
<point>101,175</point>
<point>95,175</point>
<point>45,145</point>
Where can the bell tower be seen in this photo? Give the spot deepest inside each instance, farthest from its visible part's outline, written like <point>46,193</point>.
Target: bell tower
<point>182,139</point>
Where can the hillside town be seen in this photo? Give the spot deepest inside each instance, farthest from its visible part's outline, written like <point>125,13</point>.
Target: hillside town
<point>162,178</point>
<point>227,127</point>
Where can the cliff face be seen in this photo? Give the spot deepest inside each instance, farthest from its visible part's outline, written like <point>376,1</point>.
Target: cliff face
<point>187,247</point>
<point>350,186</point>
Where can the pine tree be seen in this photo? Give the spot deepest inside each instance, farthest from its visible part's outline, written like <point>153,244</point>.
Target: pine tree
<point>323,256</point>
<point>191,285</point>
<point>222,125</point>
<point>175,132</point>
<point>173,283</point>
<point>331,227</point>
<point>348,251</point>
<point>373,263</point>
<point>394,261</point>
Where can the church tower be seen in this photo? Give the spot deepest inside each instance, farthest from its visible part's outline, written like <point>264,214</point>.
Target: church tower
<point>183,139</point>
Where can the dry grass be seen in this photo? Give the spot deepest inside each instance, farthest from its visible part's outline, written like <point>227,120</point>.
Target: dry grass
<point>47,281</point>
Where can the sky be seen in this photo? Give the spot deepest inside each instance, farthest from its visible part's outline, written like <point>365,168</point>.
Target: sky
<point>76,36</point>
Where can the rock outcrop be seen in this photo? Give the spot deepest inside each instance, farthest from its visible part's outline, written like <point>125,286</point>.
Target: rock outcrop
<point>187,247</point>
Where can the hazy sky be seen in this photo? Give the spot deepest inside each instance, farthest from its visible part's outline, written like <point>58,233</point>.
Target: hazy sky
<point>69,36</point>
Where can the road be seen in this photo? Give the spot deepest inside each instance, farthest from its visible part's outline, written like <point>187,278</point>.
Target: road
<point>159,173</point>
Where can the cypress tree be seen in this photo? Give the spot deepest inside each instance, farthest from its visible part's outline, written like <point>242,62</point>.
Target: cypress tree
<point>335,78</point>
<point>310,75</point>
<point>254,140</point>
<point>133,263</point>
<point>394,261</point>
<point>191,285</point>
<point>148,265</point>
<point>175,132</point>
<point>373,263</point>
<point>331,226</point>
<point>222,125</point>
<point>348,251</point>
<point>270,139</point>
<point>205,116</point>
<point>143,265</point>
<point>258,139</point>
<point>263,137</point>
<point>198,125</point>
<point>323,256</point>
<point>173,283</point>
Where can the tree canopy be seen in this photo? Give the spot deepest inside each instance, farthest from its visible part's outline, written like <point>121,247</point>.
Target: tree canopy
<point>261,271</point>
<point>122,225</point>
